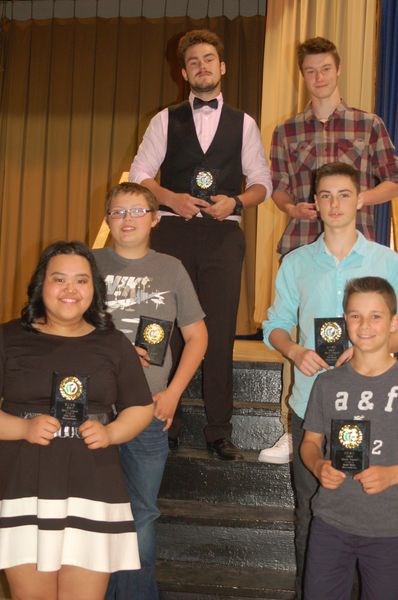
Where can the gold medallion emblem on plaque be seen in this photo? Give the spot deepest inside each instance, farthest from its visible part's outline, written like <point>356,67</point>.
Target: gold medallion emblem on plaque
<point>153,333</point>
<point>331,332</point>
<point>350,436</point>
<point>71,388</point>
<point>204,180</point>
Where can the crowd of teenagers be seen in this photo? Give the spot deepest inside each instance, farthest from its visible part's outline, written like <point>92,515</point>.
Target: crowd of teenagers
<point>92,373</point>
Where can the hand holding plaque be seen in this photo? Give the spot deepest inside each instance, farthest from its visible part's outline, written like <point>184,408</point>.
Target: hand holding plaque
<point>153,335</point>
<point>331,338</point>
<point>69,399</point>
<point>204,185</point>
<point>349,445</point>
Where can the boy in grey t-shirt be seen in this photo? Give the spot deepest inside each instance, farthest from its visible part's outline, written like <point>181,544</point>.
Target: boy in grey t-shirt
<point>141,282</point>
<point>356,517</point>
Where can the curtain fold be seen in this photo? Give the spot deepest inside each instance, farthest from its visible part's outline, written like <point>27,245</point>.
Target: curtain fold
<point>76,98</point>
<point>352,27</point>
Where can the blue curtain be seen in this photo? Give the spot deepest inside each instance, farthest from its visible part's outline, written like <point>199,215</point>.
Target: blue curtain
<point>387,96</point>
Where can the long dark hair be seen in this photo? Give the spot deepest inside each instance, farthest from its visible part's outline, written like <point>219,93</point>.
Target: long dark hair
<point>35,309</point>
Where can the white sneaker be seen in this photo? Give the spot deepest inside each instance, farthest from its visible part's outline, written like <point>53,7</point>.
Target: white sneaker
<point>281,452</point>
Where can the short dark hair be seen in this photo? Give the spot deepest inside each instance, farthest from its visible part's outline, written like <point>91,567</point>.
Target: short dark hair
<point>96,314</point>
<point>127,187</point>
<point>364,285</point>
<point>337,168</point>
<point>199,36</point>
<point>316,45</point>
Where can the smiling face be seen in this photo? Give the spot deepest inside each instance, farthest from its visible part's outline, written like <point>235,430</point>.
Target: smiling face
<point>131,234</point>
<point>203,70</point>
<point>67,289</point>
<point>337,201</point>
<point>321,75</point>
<point>369,321</point>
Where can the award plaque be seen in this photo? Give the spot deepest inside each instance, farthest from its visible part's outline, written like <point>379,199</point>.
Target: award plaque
<point>349,445</point>
<point>154,335</point>
<point>331,338</point>
<point>69,399</point>
<point>204,184</point>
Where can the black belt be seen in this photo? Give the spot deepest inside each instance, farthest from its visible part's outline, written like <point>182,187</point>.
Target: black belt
<point>69,431</point>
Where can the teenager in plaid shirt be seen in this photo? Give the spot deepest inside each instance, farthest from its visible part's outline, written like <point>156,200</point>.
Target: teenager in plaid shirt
<point>328,130</point>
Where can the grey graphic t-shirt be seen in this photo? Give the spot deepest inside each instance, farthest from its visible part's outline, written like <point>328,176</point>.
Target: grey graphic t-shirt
<point>156,285</point>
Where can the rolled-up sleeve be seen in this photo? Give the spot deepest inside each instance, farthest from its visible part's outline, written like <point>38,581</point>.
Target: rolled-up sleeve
<point>152,149</point>
<point>255,166</point>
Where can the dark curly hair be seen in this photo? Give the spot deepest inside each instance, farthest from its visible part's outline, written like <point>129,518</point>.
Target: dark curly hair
<point>199,36</point>
<point>35,309</point>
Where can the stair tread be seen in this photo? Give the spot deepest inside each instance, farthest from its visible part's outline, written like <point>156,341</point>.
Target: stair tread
<point>187,453</point>
<point>223,580</point>
<point>226,515</point>
<point>238,406</point>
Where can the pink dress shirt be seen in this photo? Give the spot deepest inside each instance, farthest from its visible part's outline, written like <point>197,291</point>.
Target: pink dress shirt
<point>153,147</point>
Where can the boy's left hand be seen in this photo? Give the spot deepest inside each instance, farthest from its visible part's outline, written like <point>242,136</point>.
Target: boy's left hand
<point>376,479</point>
<point>165,406</point>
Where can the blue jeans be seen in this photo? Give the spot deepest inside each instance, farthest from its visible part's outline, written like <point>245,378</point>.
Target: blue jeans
<point>143,460</point>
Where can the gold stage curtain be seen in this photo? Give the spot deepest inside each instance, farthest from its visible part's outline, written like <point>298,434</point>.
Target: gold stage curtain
<point>76,96</point>
<point>351,25</point>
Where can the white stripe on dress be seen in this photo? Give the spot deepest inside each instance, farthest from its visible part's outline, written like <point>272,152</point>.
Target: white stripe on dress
<point>51,549</point>
<point>62,508</point>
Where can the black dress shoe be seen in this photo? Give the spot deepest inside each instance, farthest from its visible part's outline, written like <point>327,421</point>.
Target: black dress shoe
<point>173,444</point>
<point>224,449</point>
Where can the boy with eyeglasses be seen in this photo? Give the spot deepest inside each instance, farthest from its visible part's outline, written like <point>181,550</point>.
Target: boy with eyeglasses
<point>141,282</point>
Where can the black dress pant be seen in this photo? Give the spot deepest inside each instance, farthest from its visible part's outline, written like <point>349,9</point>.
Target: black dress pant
<point>212,252</point>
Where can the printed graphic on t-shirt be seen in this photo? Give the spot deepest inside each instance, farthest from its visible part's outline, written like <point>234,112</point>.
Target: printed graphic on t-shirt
<point>125,294</point>
<point>365,401</point>
<point>364,405</point>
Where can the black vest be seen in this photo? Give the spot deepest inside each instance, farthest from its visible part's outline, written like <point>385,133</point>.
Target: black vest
<point>184,154</point>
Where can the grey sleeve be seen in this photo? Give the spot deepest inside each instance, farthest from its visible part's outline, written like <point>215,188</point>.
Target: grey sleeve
<point>314,416</point>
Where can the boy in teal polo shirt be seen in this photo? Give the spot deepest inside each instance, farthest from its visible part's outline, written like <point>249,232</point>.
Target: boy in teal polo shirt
<point>310,284</point>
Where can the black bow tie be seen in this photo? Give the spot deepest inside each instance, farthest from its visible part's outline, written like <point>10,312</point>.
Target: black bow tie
<point>198,103</point>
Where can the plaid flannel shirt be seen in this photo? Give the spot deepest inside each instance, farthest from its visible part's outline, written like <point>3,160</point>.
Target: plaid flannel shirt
<point>302,144</point>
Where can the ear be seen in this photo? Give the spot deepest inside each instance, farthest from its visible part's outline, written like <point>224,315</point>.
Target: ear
<point>223,68</point>
<point>155,220</point>
<point>184,74</point>
<point>394,324</point>
<point>360,200</point>
<point>316,202</point>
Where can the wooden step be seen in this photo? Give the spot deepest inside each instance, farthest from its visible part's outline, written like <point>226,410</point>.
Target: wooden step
<point>187,581</point>
<point>226,534</point>
<point>255,425</point>
<point>195,474</point>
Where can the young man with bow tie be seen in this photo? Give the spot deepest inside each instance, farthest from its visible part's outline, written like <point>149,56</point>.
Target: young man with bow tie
<point>204,150</point>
